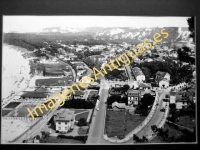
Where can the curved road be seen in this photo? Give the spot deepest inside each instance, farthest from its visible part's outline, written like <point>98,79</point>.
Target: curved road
<point>157,117</point>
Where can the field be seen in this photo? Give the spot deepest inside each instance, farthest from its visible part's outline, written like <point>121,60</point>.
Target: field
<point>132,121</point>
<point>82,115</point>
<point>65,81</point>
<point>23,112</point>
<point>115,125</point>
<point>12,105</point>
<point>119,123</point>
<point>186,121</point>
<point>5,112</point>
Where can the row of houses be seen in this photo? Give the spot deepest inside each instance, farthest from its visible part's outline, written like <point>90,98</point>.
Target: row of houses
<point>178,99</point>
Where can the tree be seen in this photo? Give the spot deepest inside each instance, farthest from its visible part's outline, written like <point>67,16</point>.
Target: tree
<point>191,27</point>
<point>82,122</point>
<point>125,88</point>
<point>147,100</point>
<point>112,99</point>
<point>154,128</point>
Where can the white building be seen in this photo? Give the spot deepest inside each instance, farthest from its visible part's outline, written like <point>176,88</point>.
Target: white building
<point>138,74</point>
<point>64,120</point>
<point>163,79</point>
<point>133,97</point>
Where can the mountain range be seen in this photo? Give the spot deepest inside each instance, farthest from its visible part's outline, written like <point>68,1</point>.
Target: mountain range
<point>123,33</point>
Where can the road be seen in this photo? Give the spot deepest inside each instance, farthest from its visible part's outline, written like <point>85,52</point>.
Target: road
<point>98,122</point>
<point>157,117</point>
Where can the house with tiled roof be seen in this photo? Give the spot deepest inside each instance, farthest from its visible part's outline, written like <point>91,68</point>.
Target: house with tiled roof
<point>138,74</point>
<point>133,97</point>
<point>64,120</point>
<point>162,79</point>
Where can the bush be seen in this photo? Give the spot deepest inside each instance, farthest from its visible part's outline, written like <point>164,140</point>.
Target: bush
<point>82,122</point>
<point>81,138</point>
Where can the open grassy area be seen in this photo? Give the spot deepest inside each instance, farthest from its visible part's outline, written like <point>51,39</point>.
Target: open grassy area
<point>186,121</point>
<point>5,112</point>
<point>12,104</point>
<point>63,140</point>
<point>115,125</point>
<point>82,115</point>
<point>119,123</point>
<point>132,121</point>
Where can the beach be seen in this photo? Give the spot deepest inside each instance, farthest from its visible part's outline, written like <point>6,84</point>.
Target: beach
<point>15,70</point>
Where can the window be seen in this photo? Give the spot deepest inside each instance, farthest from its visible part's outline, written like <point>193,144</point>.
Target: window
<point>66,128</point>
<point>59,128</point>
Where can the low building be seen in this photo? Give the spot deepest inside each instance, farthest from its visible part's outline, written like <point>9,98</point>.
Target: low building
<point>35,94</point>
<point>172,98</point>
<point>64,120</point>
<point>79,95</point>
<point>133,97</point>
<point>118,106</point>
<point>138,74</point>
<point>162,79</point>
<point>180,103</point>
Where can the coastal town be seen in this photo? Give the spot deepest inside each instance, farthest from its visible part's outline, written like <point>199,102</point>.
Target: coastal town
<point>150,100</point>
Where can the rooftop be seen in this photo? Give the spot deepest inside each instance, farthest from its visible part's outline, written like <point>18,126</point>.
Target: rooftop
<point>78,93</point>
<point>34,94</point>
<point>64,115</point>
<point>137,71</point>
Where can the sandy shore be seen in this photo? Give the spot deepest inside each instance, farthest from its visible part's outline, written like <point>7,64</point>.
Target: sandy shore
<point>15,70</point>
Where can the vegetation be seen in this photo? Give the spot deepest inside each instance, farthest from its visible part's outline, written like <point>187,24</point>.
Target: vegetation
<point>143,107</point>
<point>177,72</point>
<point>79,104</point>
<point>116,74</point>
<point>138,140</point>
<point>191,27</point>
<point>81,138</point>
<point>172,133</point>
<point>82,122</point>
<point>115,124</point>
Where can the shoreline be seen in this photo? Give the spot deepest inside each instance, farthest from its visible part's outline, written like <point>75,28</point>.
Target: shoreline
<point>15,67</point>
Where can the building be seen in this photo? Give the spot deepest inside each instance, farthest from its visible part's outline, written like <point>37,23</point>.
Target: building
<point>162,79</point>
<point>35,94</point>
<point>118,106</point>
<point>180,103</point>
<point>133,97</point>
<point>64,120</point>
<point>138,74</point>
<point>172,98</point>
<point>79,95</point>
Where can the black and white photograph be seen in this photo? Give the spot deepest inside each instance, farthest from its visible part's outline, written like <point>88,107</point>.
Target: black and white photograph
<point>98,80</point>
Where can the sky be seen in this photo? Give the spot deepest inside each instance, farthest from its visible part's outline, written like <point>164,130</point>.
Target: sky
<point>37,23</point>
